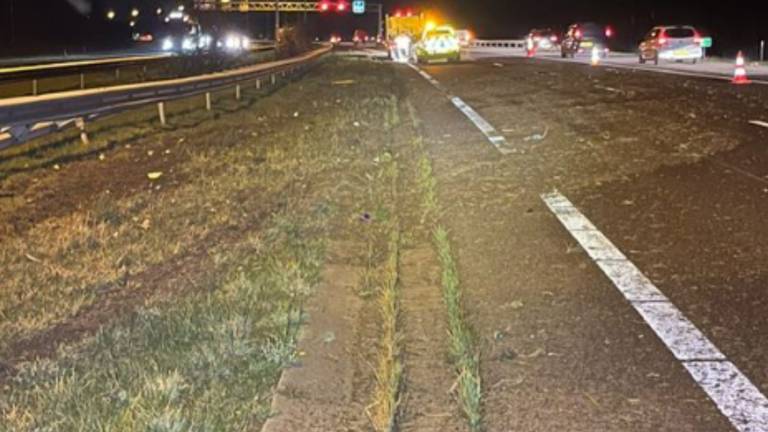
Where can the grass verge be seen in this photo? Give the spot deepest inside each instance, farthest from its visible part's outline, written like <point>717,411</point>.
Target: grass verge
<point>205,362</point>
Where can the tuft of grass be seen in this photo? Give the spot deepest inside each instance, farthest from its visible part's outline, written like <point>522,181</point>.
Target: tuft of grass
<point>463,350</point>
<point>428,185</point>
<point>389,375</point>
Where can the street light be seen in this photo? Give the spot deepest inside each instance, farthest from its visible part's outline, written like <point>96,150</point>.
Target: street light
<point>159,11</point>
<point>111,15</point>
<point>134,12</point>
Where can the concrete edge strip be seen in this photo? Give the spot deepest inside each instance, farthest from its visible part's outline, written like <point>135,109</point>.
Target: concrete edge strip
<point>733,393</point>
<point>494,137</point>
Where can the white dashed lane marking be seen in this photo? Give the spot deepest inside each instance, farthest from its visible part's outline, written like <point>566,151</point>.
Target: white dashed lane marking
<point>489,131</point>
<point>759,123</point>
<point>494,137</point>
<point>733,393</point>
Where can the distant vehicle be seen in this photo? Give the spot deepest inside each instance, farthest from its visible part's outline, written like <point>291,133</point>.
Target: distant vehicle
<point>404,30</point>
<point>335,39</point>
<point>438,44</point>
<point>233,43</point>
<point>465,38</point>
<point>360,37</point>
<point>675,43</point>
<point>583,38</point>
<point>184,36</point>
<point>144,37</point>
<point>542,40</point>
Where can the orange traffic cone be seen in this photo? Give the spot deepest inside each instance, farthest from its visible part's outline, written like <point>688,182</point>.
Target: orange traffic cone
<point>740,72</point>
<point>530,48</point>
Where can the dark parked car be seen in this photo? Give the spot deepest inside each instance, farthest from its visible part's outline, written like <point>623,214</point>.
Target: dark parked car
<point>542,40</point>
<point>583,38</point>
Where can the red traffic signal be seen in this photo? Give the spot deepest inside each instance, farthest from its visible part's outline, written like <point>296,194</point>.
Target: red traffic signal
<point>340,6</point>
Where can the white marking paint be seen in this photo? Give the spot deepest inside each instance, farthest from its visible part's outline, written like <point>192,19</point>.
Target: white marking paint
<point>733,393</point>
<point>495,138</point>
<point>489,131</point>
<point>759,123</point>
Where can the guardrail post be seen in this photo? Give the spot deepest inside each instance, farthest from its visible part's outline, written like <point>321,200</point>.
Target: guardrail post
<point>117,74</point>
<point>274,79</point>
<point>237,91</point>
<point>144,73</point>
<point>80,123</point>
<point>82,81</point>
<point>161,112</point>
<point>207,101</point>
<point>258,84</point>
<point>34,87</point>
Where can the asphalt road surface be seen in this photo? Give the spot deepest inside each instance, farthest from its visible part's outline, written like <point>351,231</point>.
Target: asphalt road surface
<point>671,171</point>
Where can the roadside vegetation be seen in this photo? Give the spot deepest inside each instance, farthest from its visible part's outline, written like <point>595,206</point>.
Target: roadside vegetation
<point>385,408</point>
<point>173,302</point>
<point>463,346</point>
<point>174,305</point>
<point>206,361</point>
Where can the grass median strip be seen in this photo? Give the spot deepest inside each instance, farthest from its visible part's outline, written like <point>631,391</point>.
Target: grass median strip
<point>389,375</point>
<point>464,352</point>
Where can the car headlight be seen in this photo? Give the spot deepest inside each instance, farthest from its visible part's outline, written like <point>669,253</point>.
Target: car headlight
<point>167,44</point>
<point>187,44</point>
<point>232,42</point>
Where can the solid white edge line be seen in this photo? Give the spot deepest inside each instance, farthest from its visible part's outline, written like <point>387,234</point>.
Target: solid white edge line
<point>494,137</point>
<point>737,398</point>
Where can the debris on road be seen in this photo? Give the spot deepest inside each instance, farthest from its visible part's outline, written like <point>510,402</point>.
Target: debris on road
<point>154,175</point>
<point>537,136</point>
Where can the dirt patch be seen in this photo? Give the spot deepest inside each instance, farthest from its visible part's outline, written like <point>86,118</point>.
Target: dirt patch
<point>51,193</point>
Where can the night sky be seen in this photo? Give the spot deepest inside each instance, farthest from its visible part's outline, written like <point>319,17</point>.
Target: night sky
<point>51,25</point>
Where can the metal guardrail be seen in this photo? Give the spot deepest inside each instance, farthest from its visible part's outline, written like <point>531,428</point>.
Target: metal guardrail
<point>21,117</point>
<point>498,43</point>
<point>13,73</point>
<point>36,73</point>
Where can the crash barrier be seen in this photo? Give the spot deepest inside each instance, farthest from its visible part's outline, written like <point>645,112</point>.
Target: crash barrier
<point>498,43</point>
<point>21,118</point>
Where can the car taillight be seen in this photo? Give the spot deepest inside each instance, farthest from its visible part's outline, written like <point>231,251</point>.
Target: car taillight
<point>553,38</point>
<point>578,34</point>
<point>662,41</point>
<point>608,32</point>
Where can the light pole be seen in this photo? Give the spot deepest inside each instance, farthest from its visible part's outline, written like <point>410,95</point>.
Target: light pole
<point>277,22</point>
